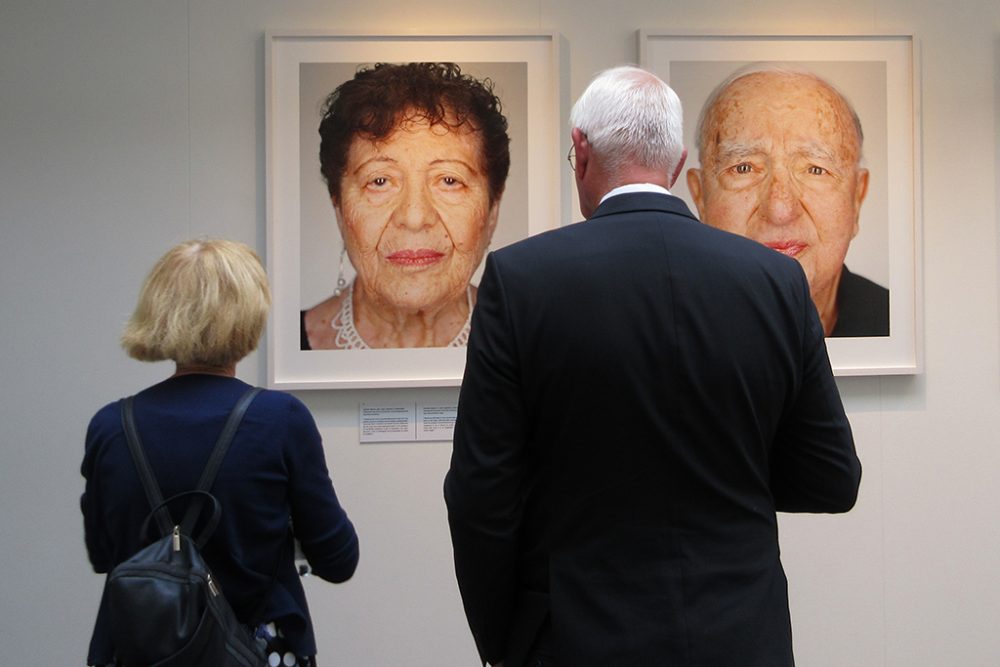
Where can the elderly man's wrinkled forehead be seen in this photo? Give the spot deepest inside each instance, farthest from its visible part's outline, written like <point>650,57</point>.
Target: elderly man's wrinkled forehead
<point>785,100</point>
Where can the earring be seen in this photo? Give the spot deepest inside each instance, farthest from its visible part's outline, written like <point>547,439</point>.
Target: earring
<point>341,283</point>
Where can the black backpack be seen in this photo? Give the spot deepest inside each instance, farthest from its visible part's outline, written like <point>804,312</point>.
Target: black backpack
<point>166,609</point>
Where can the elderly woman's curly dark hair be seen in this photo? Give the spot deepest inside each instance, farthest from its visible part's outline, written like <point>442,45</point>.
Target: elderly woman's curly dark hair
<point>379,99</point>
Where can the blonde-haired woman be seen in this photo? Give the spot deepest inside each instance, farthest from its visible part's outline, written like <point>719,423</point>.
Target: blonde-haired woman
<point>204,306</point>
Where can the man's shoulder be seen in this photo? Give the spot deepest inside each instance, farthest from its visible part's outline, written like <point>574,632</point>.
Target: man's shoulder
<point>627,219</point>
<point>540,243</point>
<point>646,206</point>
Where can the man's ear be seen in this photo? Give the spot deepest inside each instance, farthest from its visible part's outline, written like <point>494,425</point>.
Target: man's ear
<point>582,149</point>
<point>694,187</point>
<point>860,191</point>
<point>677,170</point>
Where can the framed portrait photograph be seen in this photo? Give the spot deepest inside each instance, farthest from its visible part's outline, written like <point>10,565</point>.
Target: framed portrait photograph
<point>394,164</point>
<point>810,145</point>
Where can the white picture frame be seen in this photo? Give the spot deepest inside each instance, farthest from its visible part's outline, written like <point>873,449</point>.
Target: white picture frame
<point>878,73</point>
<point>300,219</point>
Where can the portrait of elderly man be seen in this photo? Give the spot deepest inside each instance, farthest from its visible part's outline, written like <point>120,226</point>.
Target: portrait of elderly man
<point>780,151</point>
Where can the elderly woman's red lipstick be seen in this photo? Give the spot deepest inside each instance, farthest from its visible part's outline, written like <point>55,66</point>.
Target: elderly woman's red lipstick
<point>420,257</point>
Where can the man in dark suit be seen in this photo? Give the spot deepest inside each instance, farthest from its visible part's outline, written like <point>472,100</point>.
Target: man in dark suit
<point>642,393</point>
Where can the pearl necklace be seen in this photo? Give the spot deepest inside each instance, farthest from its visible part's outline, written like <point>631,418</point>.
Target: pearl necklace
<point>348,337</point>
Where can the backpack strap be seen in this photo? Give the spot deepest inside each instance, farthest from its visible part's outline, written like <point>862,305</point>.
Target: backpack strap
<point>153,493</point>
<point>146,476</point>
<point>214,461</point>
<point>225,439</point>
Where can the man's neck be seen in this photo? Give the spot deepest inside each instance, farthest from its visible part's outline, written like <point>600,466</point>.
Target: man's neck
<point>635,174</point>
<point>633,178</point>
<point>631,188</point>
<point>599,183</point>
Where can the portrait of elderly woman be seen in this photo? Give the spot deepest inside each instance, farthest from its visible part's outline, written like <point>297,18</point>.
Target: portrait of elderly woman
<point>415,159</point>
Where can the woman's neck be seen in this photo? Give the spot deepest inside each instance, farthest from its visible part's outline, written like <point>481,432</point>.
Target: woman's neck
<point>387,327</point>
<point>205,369</point>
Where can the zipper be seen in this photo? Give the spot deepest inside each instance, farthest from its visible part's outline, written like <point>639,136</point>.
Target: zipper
<point>211,585</point>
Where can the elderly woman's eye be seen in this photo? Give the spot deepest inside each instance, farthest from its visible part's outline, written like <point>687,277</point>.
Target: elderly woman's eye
<point>379,184</point>
<point>451,181</point>
<point>743,168</point>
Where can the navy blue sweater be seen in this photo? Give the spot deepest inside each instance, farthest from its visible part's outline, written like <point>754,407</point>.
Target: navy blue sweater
<point>275,471</point>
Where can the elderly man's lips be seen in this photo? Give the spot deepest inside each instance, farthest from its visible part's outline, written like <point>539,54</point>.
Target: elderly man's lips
<point>789,248</point>
<point>421,257</point>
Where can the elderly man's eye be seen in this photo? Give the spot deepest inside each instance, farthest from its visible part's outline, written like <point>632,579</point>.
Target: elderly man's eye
<point>379,182</point>
<point>451,182</point>
<point>816,171</point>
<point>743,168</point>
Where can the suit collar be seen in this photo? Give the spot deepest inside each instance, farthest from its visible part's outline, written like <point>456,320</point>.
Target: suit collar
<point>642,201</point>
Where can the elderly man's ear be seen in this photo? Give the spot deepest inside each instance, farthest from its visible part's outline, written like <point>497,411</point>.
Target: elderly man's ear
<point>677,170</point>
<point>694,187</point>
<point>860,191</point>
<point>581,147</point>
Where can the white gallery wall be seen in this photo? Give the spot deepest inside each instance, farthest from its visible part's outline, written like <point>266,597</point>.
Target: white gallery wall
<point>128,126</point>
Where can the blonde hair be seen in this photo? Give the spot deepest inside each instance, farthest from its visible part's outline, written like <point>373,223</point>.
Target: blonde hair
<point>204,302</point>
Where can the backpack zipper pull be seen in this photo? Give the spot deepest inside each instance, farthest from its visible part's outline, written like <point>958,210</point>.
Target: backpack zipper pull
<point>177,538</point>
<point>211,585</point>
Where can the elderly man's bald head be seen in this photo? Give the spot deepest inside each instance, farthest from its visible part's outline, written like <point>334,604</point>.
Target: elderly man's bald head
<point>758,75</point>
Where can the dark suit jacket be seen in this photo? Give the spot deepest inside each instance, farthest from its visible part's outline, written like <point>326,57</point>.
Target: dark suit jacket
<point>642,392</point>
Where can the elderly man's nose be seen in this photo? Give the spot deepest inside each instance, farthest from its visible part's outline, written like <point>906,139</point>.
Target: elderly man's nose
<point>415,211</point>
<point>781,204</point>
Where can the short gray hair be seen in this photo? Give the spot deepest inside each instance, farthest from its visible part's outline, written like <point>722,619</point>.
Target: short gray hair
<point>770,68</point>
<point>630,116</point>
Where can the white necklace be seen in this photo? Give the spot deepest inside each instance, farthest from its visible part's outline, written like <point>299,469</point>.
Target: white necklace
<point>348,337</point>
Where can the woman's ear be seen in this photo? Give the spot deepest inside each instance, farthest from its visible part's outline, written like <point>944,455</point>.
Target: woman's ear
<point>336,210</point>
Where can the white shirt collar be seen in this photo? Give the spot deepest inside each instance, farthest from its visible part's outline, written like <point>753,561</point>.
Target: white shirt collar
<point>635,187</point>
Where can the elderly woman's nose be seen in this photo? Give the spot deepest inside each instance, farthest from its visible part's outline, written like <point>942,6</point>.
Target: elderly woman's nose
<point>416,209</point>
